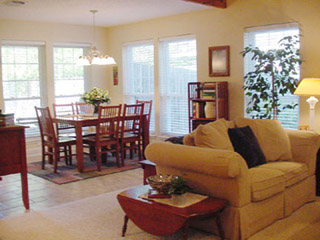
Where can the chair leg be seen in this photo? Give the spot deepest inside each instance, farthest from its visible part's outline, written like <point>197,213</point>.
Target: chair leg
<point>92,152</point>
<point>131,150</point>
<point>117,155</point>
<point>70,154</point>
<point>43,157</point>
<point>55,159</point>
<point>139,150</point>
<point>66,155</point>
<point>122,154</point>
<point>98,157</point>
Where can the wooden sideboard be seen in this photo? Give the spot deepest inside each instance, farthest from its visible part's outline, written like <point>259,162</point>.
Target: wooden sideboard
<point>13,156</point>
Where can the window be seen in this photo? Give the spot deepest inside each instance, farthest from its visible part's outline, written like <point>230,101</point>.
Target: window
<point>22,80</point>
<point>138,74</point>
<point>69,78</point>
<point>267,38</point>
<point>177,67</point>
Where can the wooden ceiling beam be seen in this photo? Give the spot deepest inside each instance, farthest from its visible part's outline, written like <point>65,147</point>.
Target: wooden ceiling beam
<point>212,3</point>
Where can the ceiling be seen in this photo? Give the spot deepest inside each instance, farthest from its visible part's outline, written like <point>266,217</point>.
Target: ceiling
<point>110,12</point>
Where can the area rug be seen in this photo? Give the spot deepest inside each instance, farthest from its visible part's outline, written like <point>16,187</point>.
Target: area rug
<point>69,173</point>
<point>101,217</point>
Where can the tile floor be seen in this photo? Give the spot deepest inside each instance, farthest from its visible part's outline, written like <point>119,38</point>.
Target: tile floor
<point>44,194</point>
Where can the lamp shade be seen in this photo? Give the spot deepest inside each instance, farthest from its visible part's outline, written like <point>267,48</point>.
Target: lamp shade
<point>308,87</point>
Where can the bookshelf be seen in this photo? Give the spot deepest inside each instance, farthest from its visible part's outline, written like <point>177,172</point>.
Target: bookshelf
<point>207,102</point>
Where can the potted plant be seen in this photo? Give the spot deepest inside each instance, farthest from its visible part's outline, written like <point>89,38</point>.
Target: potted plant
<point>96,96</point>
<point>178,188</point>
<point>275,73</point>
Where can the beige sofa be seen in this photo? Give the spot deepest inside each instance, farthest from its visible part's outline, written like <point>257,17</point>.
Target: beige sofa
<point>257,196</point>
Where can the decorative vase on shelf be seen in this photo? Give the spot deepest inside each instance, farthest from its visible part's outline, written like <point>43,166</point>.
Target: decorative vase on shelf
<point>209,110</point>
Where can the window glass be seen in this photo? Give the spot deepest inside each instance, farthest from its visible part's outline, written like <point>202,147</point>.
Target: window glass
<point>138,75</point>
<point>69,78</point>
<point>178,66</point>
<point>22,79</point>
<point>266,39</point>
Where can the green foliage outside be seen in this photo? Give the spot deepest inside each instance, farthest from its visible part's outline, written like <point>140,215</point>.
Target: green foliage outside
<point>275,74</point>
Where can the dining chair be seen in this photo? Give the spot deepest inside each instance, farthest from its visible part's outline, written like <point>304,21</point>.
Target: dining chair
<point>83,108</point>
<point>131,129</point>
<point>107,134</point>
<point>53,145</point>
<point>63,129</point>
<point>147,107</point>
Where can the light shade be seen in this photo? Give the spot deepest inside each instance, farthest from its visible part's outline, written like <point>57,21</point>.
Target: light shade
<point>308,87</point>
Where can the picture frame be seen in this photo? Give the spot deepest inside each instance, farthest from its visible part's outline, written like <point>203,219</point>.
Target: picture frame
<point>115,75</point>
<point>219,58</point>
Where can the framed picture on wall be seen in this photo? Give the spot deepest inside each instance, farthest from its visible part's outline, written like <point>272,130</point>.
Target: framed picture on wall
<point>219,61</point>
<point>115,75</point>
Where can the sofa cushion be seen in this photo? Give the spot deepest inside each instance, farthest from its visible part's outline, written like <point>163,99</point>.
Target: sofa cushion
<point>189,139</point>
<point>265,182</point>
<point>213,135</point>
<point>271,136</point>
<point>246,144</point>
<point>293,172</point>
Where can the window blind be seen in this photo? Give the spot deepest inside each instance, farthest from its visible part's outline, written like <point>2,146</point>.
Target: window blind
<point>138,74</point>
<point>266,38</point>
<point>22,80</point>
<point>177,67</point>
<point>69,78</point>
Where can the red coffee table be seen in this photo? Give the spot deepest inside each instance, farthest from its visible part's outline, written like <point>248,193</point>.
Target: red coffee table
<point>162,219</point>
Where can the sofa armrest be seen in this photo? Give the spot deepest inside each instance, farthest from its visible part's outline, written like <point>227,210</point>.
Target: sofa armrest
<point>220,163</point>
<point>213,172</point>
<point>304,147</point>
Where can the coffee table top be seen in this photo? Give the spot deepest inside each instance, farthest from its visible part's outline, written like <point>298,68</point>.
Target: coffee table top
<point>207,206</point>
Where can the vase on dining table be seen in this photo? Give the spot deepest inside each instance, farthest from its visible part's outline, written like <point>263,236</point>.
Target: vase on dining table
<point>96,108</point>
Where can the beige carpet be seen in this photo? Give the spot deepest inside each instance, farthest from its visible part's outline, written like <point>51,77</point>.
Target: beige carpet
<point>101,217</point>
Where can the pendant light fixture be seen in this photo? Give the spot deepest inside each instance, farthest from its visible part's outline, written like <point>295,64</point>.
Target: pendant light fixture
<point>94,57</point>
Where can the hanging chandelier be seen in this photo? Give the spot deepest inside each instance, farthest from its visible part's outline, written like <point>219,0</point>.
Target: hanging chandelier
<point>94,57</point>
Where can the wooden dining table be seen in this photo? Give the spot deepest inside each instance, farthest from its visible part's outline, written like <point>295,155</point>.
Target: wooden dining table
<point>86,120</point>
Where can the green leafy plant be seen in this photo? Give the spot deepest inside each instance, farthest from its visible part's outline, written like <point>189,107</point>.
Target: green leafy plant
<point>178,185</point>
<point>96,96</point>
<point>275,74</point>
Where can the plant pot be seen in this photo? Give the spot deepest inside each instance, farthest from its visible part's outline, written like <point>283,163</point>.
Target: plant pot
<point>209,110</point>
<point>179,199</point>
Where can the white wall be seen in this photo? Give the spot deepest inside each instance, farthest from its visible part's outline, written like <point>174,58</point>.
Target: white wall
<point>213,27</point>
<point>53,33</point>
<point>216,27</point>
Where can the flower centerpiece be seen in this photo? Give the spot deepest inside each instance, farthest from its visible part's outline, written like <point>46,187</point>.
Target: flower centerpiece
<point>96,96</point>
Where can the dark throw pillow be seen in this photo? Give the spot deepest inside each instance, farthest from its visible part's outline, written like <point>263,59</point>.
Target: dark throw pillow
<point>246,144</point>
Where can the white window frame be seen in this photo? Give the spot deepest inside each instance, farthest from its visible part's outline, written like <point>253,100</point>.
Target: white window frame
<point>133,84</point>
<point>72,97</point>
<point>174,118</point>
<point>27,120</point>
<point>249,39</point>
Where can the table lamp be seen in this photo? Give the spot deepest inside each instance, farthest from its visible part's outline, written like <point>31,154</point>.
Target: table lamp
<point>309,87</point>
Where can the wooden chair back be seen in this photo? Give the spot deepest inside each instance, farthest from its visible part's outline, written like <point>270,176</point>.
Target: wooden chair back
<point>147,107</point>
<point>83,108</point>
<point>63,110</point>
<point>132,119</point>
<point>109,121</point>
<point>47,132</point>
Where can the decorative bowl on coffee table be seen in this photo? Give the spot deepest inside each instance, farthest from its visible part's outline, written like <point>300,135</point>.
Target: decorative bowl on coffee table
<point>160,183</point>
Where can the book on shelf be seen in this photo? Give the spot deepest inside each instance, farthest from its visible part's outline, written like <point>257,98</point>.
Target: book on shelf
<point>208,90</point>
<point>195,109</point>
